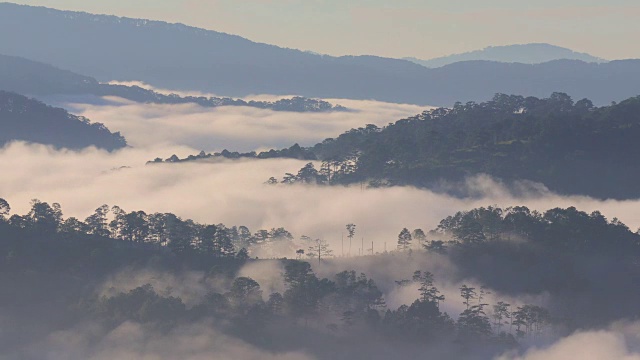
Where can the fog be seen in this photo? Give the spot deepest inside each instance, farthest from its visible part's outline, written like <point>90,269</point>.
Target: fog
<point>236,128</point>
<point>620,342</point>
<point>234,193</point>
<point>133,341</point>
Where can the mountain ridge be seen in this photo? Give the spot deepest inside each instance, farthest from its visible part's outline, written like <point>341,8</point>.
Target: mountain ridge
<point>531,53</point>
<point>155,53</point>
<point>34,78</point>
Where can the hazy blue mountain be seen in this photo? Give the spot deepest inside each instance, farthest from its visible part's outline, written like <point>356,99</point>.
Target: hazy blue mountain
<point>181,57</point>
<point>34,78</point>
<point>536,53</point>
<point>26,119</point>
<point>37,79</point>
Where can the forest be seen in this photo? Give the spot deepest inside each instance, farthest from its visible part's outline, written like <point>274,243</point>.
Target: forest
<point>25,119</point>
<point>327,180</point>
<point>54,269</point>
<point>569,147</point>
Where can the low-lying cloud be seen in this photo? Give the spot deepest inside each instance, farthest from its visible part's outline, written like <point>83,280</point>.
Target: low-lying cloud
<point>134,341</point>
<point>236,128</point>
<point>620,343</point>
<point>234,193</point>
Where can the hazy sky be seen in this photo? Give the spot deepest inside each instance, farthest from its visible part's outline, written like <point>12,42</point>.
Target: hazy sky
<point>397,28</point>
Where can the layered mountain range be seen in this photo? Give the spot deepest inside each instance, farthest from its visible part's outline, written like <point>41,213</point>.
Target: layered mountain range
<point>177,56</point>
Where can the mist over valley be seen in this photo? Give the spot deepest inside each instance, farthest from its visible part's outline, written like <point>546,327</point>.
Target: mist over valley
<point>170,192</point>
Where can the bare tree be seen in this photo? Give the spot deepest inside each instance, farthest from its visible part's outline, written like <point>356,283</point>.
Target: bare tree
<point>351,231</point>
<point>320,250</point>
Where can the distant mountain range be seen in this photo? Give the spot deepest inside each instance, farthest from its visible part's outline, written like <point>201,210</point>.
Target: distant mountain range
<point>37,79</point>
<point>537,53</point>
<point>180,57</point>
<point>29,120</point>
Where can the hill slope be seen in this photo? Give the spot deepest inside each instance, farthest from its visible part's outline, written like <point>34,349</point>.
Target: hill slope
<point>572,148</point>
<point>29,120</point>
<point>536,53</point>
<point>180,57</point>
<point>34,78</point>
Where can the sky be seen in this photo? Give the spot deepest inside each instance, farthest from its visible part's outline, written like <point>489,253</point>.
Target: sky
<point>397,28</point>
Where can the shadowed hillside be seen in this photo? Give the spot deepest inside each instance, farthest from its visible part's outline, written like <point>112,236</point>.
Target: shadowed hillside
<point>29,120</point>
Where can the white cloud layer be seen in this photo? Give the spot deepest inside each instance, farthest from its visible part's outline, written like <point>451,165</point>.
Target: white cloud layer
<point>236,128</point>
<point>618,343</point>
<point>233,193</point>
<point>133,341</point>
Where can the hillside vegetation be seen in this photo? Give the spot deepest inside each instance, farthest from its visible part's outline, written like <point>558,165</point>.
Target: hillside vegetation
<point>29,120</point>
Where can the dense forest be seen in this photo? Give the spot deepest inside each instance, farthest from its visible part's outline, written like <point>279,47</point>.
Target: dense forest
<point>570,147</point>
<point>293,152</point>
<point>29,120</point>
<point>37,79</point>
<point>54,270</point>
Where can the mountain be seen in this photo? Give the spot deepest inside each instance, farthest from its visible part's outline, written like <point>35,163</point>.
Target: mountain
<point>570,147</point>
<point>34,78</point>
<point>536,53</point>
<point>29,120</point>
<point>178,57</point>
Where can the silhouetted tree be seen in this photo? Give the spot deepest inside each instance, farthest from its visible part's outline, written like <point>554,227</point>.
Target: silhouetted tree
<point>404,240</point>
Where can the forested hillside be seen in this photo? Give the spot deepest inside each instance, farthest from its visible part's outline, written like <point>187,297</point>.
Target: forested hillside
<point>570,147</point>
<point>54,270</point>
<point>29,120</point>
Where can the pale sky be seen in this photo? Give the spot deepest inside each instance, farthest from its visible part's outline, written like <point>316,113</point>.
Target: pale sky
<point>397,28</point>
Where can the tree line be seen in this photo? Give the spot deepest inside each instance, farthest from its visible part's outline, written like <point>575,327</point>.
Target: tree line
<point>556,141</point>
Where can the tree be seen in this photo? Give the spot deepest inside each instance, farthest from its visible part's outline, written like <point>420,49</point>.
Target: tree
<point>223,245</point>
<point>473,324</point>
<point>275,303</point>
<point>420,236</point>
<point>245,291</point>
<point>304,290</point>
<point>244,234</point>
<point>468,294</point>
<point>5,209</point>
<point>483,293</point>
<point>428,291</point>
<point>351,231</point>
<point>208,239</point>
<point>242,254</point>
<point>436,246</point>
<point>501,314</point>
<point>73,226</point>
<point>532,318</point>
<point>131,226</point>
<point>179,233</point>
<point>45,218</point>
<point>309,175</point>
<point>289,178</point>
<point>320,250</point>
<point>97,222</point>
<point>404,240</point>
